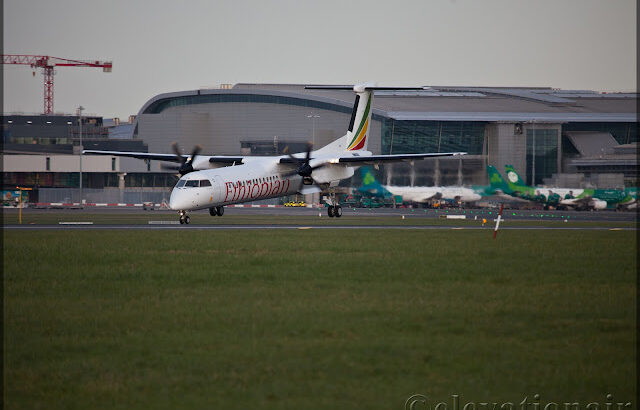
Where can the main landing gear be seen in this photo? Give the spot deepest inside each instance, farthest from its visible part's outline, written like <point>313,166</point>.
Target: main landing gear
<point>216,211</point>
<point>334,210</point>
<point>184,218</point>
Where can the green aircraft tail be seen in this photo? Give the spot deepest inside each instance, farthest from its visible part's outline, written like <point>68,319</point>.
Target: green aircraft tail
<point>513,179</point>
<point>496,180</point>
<point>371,185</point>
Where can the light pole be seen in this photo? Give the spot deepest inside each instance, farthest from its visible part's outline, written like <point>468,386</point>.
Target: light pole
<point>533,154</point>
<point>313,125</point>
<point>80,108</point>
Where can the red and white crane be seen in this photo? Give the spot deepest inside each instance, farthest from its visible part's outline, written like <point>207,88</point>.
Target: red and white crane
<point>48,63</point>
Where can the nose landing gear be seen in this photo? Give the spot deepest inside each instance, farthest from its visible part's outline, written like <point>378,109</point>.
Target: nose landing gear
<point>184,218</point>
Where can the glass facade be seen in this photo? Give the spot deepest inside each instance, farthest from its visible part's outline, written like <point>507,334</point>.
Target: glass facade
<point>161,105</point>
<point>623,132</point>
<point>412,137</point>
<point>542,155</point>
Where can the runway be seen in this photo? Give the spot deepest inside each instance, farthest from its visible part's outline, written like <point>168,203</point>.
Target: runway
<point>470,213</point>
<point>306,227</point>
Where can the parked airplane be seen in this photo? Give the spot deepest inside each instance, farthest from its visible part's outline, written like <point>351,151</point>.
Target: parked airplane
<point>419,193</point>
<point>577,198</point>
<point>215,181</point>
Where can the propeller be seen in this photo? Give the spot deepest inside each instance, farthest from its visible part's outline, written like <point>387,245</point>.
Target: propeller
<point>304,167</point>
<point>186,164</point>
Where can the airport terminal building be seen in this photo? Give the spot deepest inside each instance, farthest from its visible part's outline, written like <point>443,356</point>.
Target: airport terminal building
<point>553,137</point>
<point>545,133</point>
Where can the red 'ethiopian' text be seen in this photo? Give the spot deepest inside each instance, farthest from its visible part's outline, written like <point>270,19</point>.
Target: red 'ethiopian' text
<point>243,191</point>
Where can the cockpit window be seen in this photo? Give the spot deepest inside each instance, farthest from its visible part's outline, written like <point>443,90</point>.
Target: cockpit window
<point>205,182</point>
<point>180,183</point>
<point>192,183</point>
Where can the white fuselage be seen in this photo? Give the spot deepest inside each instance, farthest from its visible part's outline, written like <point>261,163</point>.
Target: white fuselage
<point>594,203</point>
<point>256,179</point>
<point>252,181</point>
<point>423,193</point>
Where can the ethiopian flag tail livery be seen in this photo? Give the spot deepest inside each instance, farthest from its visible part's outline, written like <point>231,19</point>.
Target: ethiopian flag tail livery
<point>360,122</point>
<point>496,181</point>
<point>357,137</point>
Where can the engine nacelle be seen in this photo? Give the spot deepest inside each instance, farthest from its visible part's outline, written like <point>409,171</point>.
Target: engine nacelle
<point>599,204</point>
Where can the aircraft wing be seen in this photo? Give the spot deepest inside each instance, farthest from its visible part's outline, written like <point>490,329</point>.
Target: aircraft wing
<point>213,159</point>
<point>377,159</point>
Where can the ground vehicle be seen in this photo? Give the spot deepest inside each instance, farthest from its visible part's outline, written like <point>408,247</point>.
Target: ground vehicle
<point>295,204</point>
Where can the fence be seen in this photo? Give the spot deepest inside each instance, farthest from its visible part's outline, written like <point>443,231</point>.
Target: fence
<point>114,195</point>
<point>107,195</point>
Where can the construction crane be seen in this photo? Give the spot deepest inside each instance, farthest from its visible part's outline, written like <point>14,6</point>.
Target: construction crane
<point>48,63</point>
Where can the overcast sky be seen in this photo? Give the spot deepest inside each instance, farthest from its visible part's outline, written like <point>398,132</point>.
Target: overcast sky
<point>167,45</point>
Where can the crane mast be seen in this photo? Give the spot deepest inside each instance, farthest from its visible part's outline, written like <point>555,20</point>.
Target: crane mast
<point>48,64</point>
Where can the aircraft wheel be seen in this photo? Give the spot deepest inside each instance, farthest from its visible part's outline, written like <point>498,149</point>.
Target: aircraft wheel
<point>337,211</point>
<point>220,210</point>
<point>187,220</point>
<point>182,220</point>
<point>331,211</point>
<point>213,211</point>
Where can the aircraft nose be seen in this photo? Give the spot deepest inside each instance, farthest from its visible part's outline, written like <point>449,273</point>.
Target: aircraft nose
<point>176,201</point>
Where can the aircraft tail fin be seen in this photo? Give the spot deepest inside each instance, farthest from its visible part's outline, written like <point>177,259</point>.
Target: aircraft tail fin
<point>513,178</point>
<point>496,180</point>
<point>370,184</point>
<point>357,136</point>
<point>360,124</point>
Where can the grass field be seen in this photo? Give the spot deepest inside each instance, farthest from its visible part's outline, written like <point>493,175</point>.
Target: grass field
<point>317,318</point>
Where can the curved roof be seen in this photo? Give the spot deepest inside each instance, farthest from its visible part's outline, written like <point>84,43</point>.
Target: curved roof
<point>431,104</point>
<point>208,96</point>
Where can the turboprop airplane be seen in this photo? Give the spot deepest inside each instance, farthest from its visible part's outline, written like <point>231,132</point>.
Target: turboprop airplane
<point>211,182</point>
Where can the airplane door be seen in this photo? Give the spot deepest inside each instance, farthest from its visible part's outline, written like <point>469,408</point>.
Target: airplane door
<point>215,196</point>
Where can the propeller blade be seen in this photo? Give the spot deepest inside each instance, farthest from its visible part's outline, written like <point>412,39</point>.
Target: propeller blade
<point>309,147</point>
<point>176,150</point>
<point>298,160</point>
<point>195,152</point>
